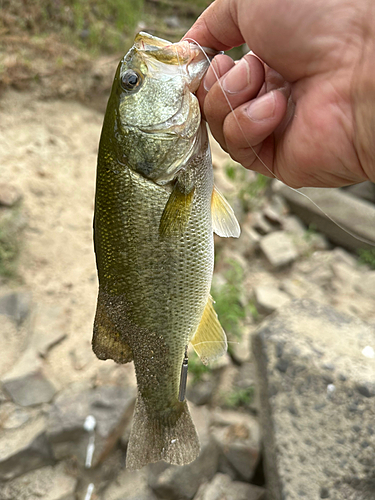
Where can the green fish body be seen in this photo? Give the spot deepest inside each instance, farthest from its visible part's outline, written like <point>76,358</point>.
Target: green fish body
<point>153,234</point>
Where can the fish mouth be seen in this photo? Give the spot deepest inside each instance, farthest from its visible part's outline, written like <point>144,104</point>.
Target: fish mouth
<point>191,59</point>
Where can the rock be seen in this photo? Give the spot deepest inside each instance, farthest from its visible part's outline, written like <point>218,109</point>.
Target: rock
<point>13,341</point>
<point>110,408</point>
<point>269,298</point>
<point>240,349</point>
<point>13,417</point>
<point>16,305</point>
<point>353,214</point>
<point>366,284</point>
<point>248,242</point>
<point>223,488</point>
<point>272,214</point>
<point>170,482</point>
<point>316,389</point>
<point>340,255</point>
<point>130,485</point>
<point>9,195</point>
<point>293,225</point>
<point>48,483</point>
<point>27,384</point>
<point>278,249</point>
<point>24,448</point>
<point>299,287</point>
<point>200,392</point>
<point>364,190</point>
<point>260,223</point>
<point>238,438</point>
<point>49,327</point>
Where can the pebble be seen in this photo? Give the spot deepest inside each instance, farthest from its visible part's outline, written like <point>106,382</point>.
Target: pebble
<point>9,195</point>
<point>27,383</point>
<point>269,298</point>
<point>278,249</point>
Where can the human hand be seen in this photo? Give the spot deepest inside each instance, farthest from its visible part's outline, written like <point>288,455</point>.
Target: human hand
<point>307,106</point>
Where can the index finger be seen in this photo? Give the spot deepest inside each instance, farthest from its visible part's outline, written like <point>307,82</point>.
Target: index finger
<point>217,27</point>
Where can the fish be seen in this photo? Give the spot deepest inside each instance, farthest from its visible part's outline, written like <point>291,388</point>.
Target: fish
<point>156,209</point>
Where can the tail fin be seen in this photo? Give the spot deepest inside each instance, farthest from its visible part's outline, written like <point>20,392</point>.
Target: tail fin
<point>173,438</point>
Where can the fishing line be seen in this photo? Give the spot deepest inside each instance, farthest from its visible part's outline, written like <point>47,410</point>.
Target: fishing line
<point>358,238</point>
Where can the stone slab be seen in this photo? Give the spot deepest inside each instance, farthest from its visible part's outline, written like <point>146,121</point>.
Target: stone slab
<point>353,214</point>
<point>316,371</point>
<point>27,382</point>
<point>47,483</point>
<point>23,449</point>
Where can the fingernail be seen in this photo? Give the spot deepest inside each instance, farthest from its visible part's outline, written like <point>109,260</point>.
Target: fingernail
<point>263,107</point>
<point>238,78</point>
<point>210,77</point>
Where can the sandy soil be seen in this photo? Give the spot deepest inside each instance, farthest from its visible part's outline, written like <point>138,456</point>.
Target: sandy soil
<point>48,151</point>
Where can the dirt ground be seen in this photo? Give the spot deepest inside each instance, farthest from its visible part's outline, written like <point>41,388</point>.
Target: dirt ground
<point>48,152</point>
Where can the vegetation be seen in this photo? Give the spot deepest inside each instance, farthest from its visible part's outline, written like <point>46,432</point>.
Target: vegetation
<point>100,25</point>
<point>196,367</point>
<point>250,190</point>
<point>367,256</point>
<point>239,397</point>
<point>9,243</point>
<point>228,306</point>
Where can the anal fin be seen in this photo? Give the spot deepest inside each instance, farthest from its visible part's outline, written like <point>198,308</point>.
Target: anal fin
<point>107,342</point>
<point>209,341</point>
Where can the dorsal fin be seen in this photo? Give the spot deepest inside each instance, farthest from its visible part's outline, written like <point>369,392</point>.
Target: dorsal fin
<point>224,222</point>
<point>209,341</point>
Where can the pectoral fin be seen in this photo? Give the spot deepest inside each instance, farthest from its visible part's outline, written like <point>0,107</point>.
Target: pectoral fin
<point>209,341</point>
<point>224,221</point>
<point>175,216</point>
<point>107,342</point>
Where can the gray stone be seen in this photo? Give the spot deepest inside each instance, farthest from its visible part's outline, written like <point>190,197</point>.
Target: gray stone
<point>48,483</point>
<point>13,341</point>
<point>278,249</point>
<point>353,214</point>
<point>293,225</point>
<point>269,298</point>
<point>260,223</point>
<point>223,488</point>
<point>13,417</point>
<point>130,485</point>
<point>9,195</point>
<point>341,255</point>
<point>49,326</point>
<point>170,482</point>
<point>248,241</point>
<point>364,190</point>
<point>112,409</point>
<point>27,384</point>
<point>315,387</point>
<point>16,305</point>
<point>24,448</point>
<point>272,214</point>
<point>238,438</point>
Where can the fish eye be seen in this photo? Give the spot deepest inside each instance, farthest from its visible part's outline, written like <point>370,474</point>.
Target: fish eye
<point>131,80</point>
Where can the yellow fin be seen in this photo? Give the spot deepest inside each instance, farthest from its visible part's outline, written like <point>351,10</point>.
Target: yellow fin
<point>175,216</point>
<point>107,342</point>
<point>224,221</point>
<point>209,341</point>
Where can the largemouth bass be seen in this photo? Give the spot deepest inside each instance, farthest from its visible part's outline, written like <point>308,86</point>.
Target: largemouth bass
<point>155,212</point>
